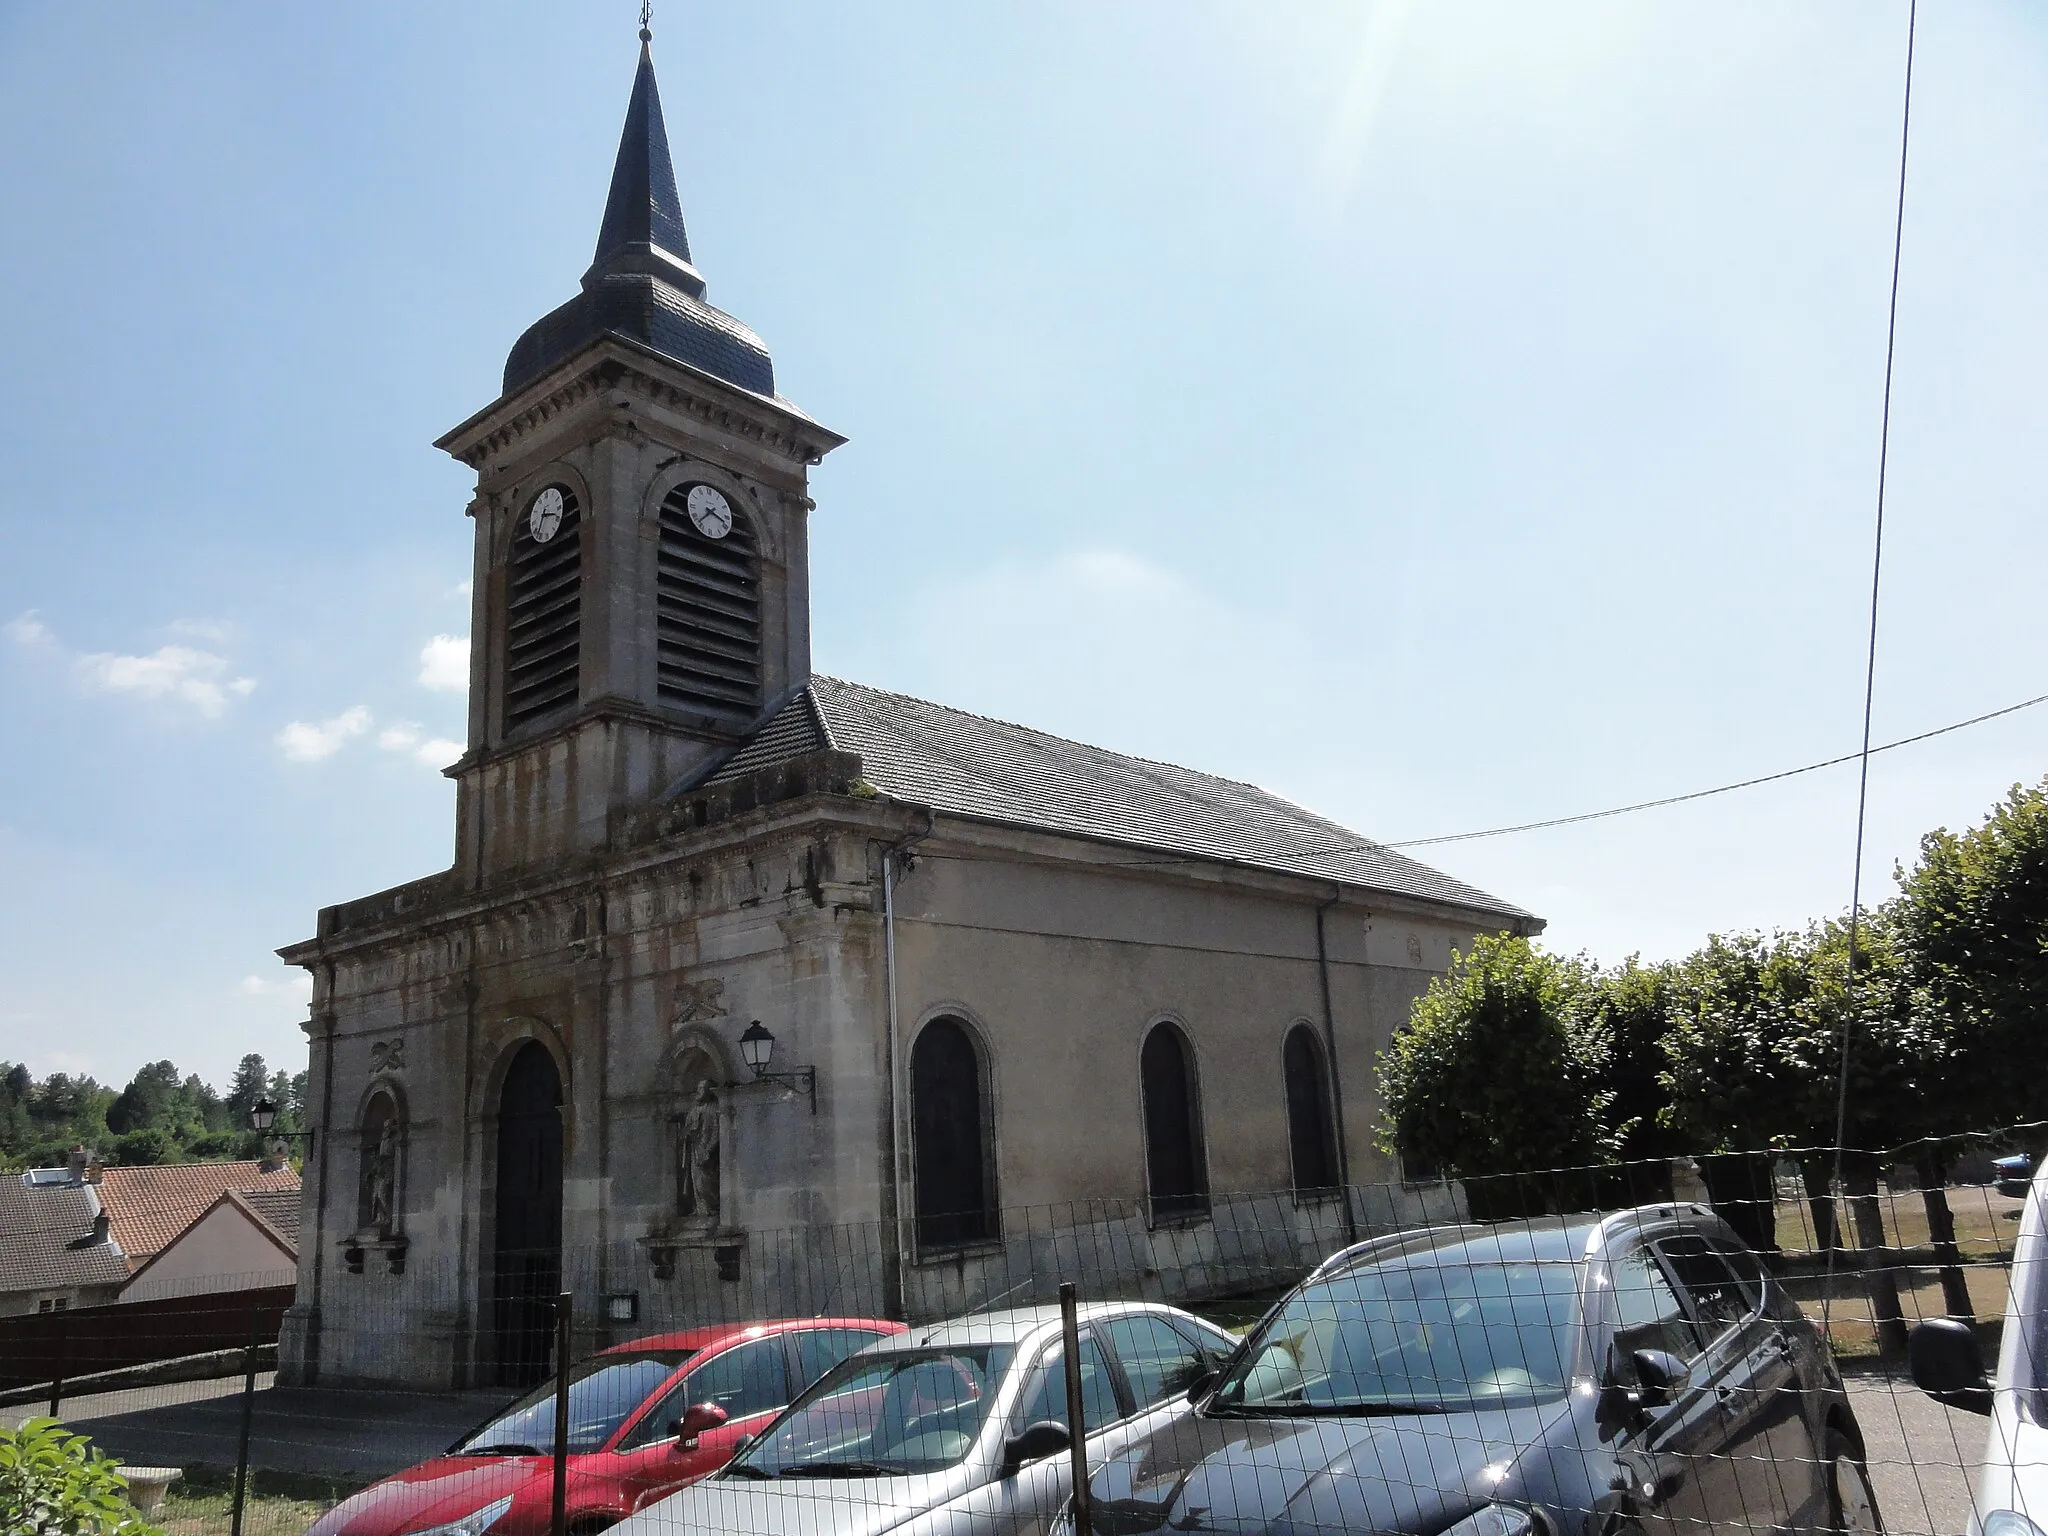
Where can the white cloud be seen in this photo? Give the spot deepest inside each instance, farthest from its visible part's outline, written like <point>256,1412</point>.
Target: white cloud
<point>310,741</point>
<point>184,674</point>
<point>431,752</point>
<point>288,984</point>
<point>444,664</point>
<point>179,672</point>
<point>31,631</point>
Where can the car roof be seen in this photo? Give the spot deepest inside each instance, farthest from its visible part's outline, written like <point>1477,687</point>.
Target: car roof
<point>711,1335</point>
<point>1539,1239</point>
<point>1013,1325</point>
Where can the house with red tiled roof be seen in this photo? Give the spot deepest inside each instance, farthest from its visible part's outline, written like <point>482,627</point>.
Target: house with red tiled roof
<point>245,1240</point>
<point>150,1205</point>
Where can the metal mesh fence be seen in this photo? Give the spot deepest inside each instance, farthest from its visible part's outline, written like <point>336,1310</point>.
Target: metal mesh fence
<point>1645,1347</point>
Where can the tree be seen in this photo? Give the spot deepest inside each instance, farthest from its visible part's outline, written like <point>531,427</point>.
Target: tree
<point>151,1144</point>
<point>250,1083</point>
<point>1498,1073</point>
<point>1973,914</point>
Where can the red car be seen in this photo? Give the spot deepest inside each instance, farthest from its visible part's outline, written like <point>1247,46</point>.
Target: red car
<point>645,1419</point>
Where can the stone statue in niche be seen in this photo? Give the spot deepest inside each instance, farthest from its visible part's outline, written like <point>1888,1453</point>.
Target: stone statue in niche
<point>697,1158</point>
<point>382,1179</point>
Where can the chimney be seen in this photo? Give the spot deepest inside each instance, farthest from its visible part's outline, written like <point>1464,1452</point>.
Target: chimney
<point>79,1159</point>
<point>102,1229</point>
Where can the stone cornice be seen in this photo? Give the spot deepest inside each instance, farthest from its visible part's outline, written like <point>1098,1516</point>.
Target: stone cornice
<point>437,904</point>
<point>771,426</point>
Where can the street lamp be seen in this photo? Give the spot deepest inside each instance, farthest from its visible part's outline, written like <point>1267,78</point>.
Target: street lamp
<point>757,1049</point>
<point>263,1116</point>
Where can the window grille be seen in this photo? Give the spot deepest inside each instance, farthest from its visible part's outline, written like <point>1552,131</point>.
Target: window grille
<point>708,615</point>
<point>543,618</point>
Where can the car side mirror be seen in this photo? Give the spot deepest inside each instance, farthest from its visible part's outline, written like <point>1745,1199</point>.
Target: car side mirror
<point>1947,1364</point>
<point>1035,1442</point>
<point>1656,1374</point>
<point>1625,1403</point>
<point>1202,1386</point>
<point>697,1418</point>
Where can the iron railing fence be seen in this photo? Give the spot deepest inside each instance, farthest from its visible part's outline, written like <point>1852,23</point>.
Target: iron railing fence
<point>394,1368</point>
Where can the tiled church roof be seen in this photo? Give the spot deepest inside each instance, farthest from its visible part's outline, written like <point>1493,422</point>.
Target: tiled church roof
<point>968,765</point>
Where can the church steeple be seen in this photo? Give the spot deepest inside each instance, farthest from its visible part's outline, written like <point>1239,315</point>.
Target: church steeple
<point>642,286</point>
<point>641,578</point>
<point>643,218</point>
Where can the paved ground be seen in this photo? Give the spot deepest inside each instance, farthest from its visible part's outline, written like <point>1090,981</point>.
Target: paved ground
<point>1923,1457</point>
<point>353,1437</point>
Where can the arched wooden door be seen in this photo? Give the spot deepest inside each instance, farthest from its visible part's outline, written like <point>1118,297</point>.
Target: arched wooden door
<point>526,1266</point>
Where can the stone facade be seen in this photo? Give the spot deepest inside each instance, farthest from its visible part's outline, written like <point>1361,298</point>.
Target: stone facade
<point>639,883</point>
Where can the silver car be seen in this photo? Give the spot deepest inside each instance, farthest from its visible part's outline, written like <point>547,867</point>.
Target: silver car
<point>946,1429</point>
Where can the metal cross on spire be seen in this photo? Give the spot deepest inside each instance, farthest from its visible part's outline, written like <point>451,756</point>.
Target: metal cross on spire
<point>646,16</point>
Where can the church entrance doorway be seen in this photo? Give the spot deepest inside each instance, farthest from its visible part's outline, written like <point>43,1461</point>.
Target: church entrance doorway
<point>526,1268</point>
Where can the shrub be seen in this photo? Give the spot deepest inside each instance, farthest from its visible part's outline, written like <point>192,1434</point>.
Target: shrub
<point>53,1483</point>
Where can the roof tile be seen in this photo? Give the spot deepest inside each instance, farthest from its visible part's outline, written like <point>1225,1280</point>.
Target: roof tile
<point>149,1205</point>
<point>969,765</point>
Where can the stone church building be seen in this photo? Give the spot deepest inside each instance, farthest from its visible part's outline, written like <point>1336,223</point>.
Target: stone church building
<point>750,987</point>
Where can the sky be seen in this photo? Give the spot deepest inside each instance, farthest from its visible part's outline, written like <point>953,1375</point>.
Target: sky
<point>1444,415</point>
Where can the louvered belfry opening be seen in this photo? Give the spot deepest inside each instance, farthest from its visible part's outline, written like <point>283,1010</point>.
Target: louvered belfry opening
<point>708,620</point>
<point>543,618</point>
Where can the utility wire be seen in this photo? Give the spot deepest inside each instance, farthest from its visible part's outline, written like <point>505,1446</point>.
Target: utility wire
<point>1863,755</point>
<point>1884,442</point>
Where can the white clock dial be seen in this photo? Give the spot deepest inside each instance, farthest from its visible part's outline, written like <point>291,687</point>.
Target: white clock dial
<point>710,511</point>
<point>545,515</point>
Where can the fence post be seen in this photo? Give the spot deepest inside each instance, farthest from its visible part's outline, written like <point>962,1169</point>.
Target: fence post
<point>559,1521</point>
<point>1077,1421</point>
<point>62,1360</point>
<point>248,1410</point>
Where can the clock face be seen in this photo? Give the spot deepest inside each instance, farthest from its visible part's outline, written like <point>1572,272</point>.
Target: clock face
<point>545,515</point>
<point>709,511</point>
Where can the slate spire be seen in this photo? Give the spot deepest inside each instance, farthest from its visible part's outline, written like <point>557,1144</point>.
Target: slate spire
<point>643,217</point>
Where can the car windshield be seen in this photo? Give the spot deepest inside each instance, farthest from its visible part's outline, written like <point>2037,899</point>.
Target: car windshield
<point>1412,1336</point>
<point>603,1391</point>
<point>888,1415</point>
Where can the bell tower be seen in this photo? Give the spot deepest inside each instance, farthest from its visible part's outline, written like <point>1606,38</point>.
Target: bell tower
<point>642,561</point>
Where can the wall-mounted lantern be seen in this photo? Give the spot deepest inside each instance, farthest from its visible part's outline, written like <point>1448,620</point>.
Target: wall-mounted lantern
<point>757,1049</point>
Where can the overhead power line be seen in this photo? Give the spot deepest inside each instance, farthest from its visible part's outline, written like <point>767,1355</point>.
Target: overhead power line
<point>1719,789</point>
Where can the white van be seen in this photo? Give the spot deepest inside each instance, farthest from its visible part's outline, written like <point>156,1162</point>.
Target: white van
<point>2012,1495</point>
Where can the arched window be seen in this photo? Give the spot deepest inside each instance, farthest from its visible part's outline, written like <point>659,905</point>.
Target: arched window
<point>951,1150</point>
<point>1311,1139</point>
<point>380,1146</point>
<point>707,589</point>
<point>1177,1174</point>
<point>543,607</point>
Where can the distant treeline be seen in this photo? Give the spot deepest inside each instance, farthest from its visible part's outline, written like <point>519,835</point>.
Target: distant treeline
<point>162,1116</point>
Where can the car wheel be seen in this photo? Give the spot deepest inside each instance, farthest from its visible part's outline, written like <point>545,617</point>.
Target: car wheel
<point>1854,1501</point>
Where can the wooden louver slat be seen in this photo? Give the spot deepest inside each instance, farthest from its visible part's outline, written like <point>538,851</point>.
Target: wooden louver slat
<point>543,619</point>
<point>707,615</point>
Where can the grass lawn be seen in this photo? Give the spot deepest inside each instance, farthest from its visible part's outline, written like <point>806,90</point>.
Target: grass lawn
<point>202,1504</point>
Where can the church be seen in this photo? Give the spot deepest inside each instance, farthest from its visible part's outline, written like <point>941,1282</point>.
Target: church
<point>751,988</point>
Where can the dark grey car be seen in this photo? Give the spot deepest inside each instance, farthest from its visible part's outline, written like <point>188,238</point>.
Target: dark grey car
<point>1639,1372</point>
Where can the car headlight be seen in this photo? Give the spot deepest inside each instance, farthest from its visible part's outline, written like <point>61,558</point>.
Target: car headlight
<point>1503,1520</point>
<point>473,1524</point>
<point>2009,1522</point>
